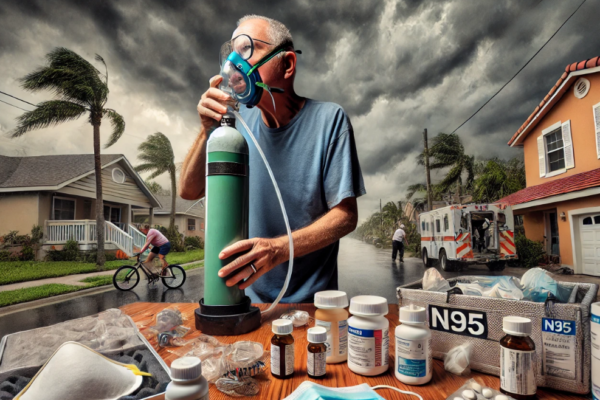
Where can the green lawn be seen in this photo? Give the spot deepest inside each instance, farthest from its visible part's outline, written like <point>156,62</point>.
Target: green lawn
<point>23,271</point>
<point>99,280</point>
<point>34,293</point>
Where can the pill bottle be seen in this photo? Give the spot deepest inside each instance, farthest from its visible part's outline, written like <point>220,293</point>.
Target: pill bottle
<point>517,359</point>
<point>316,352</point>
<point>282,349</point>
<point>331,315</point>
<point>595,331</point>
<point>413,364</point>
<point>187,382</point>
<point>368,335</point>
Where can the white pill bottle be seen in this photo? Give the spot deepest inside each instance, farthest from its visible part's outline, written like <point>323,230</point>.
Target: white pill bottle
<point>413,365</point>
<point>595,331</point>
<point>331,315</point>
<point>368,336</point>
<point>187,382</point>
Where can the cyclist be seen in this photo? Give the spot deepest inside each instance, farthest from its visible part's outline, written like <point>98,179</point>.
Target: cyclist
<point>160,246</point>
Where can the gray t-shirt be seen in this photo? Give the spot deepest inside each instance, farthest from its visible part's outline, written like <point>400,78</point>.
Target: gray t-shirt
<point>315,164</point>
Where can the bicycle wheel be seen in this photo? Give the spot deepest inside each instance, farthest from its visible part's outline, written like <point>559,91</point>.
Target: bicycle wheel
<point>175,278</point>
<point>126,278</point>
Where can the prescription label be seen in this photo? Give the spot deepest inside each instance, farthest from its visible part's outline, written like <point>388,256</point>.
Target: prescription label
<point>327,326</point>
<point>368,348</point>
<point>343,332</point>
<point>276,362</point>
<point>517,371</point>
<point>316,364</point>
<point>558,340</point>
<point>595,331</point>
<point>412,358</point>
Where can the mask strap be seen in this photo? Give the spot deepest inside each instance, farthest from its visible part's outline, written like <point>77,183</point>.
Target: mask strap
<point>397,390</point>
<point>265,60</point>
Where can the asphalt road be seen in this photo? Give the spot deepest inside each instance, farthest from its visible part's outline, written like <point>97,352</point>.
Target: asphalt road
<point>363,269</point>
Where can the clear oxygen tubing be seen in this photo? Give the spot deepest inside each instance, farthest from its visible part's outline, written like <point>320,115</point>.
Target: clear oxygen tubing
<point>397,390</point>
<point>285,217</point>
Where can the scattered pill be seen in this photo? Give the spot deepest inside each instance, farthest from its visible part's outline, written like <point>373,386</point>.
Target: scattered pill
<point>476,387</point>
<point>469,395</point>
<point>501,397</point>
<point>487,393</point>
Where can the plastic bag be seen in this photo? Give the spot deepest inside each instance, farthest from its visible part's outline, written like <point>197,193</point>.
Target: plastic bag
<point>433,281</point>
<point>474,390</point>
<point>168,328</point>
<point>538,284</point>
<point>501,287</point>
<point>458,359</point>
<point>245,386</point>
<point>298,317</point>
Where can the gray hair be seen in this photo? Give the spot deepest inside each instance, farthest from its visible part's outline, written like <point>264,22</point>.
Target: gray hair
<point>278,33</point>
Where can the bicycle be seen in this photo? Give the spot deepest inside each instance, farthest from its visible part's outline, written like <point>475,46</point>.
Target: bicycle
<point>128,276</point>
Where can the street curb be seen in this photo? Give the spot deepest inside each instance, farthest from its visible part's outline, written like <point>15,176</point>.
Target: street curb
<point>67,296</point>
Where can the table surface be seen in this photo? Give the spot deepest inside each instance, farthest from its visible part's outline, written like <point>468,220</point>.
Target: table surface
<point>441,386</point>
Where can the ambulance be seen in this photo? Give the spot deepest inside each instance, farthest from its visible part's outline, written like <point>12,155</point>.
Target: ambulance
<point>457,235</point>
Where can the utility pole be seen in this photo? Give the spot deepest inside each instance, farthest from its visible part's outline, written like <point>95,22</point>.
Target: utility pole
<point>380,214</point>
<point>426,153</point>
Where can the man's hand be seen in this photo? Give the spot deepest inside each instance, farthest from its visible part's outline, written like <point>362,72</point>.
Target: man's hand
<point>213,104</point>
<point>265,254</point>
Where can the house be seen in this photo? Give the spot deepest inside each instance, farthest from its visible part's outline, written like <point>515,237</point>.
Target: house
<point>59,193</point>
<point>189,215</point>
<point>561,142</point>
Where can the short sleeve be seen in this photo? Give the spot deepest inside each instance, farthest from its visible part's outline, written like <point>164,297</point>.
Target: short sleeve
<point>342,176</point>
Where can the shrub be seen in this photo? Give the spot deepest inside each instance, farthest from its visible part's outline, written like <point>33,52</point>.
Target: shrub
<point>4,255</point>
<point>530,252</point>
<point>71,251</point>
<point>23,239</point>
<point>10,237</point>
<point>176,240</point>
<point>27,253</point>
<point>193,242</point>
<point>37,233</point>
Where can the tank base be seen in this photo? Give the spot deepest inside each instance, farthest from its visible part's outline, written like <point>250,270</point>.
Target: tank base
<point>227,320</point>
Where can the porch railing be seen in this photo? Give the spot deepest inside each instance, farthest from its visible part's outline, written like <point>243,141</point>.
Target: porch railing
<point>84,232</point>
<point>139,239</point>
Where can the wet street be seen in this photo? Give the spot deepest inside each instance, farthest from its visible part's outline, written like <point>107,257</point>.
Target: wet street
<point>363,269</point>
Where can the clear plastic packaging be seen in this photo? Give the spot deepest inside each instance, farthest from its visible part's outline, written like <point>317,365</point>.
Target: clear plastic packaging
<point>298,317</point>
<point>458,359</point>
<point>169,329</point>
<point>433,281</point>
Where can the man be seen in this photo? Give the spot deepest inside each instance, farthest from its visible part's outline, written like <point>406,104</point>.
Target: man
<point>398,243</point>
<point>160,247</point>
<point>310,146</point>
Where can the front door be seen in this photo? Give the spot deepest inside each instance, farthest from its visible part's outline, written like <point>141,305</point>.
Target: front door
<point>552,240</point>
<point>590,243</point>
<point>113,214</point>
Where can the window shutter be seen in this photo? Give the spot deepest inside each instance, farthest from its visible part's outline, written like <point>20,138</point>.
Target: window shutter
<point>568,143</point>
<point>542,155</point>
<point>597,125</point>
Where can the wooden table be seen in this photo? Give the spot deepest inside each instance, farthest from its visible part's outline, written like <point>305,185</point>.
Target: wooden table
<point>441,386</point>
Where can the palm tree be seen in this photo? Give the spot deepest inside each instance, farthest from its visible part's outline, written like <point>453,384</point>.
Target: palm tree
<point>498,178</point>
<point>447,151</point>
<point>157,157</point>
<point>154,187</point>
<point>413,189</point>
<point>80,89</point>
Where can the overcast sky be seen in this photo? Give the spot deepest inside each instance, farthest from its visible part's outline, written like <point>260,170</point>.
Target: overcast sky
<point>395,66</point>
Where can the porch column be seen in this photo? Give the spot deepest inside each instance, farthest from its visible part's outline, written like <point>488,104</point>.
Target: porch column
<point>129,218</point>
<point>151,218</point>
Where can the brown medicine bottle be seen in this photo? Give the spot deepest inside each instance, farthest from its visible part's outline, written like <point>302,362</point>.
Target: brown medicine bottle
<point>282,349</point>
<point>517,359</point>
<point>316,352</point>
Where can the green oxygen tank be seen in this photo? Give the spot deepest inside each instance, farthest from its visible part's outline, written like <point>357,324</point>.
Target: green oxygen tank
<point>226,208</point>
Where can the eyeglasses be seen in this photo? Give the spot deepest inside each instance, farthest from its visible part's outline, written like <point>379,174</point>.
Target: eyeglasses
<point>241,44</point>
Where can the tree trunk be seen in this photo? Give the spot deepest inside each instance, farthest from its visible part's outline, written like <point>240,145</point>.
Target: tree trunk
<point>173,198</point>
<point>101,258</point>
<point>151,218</point>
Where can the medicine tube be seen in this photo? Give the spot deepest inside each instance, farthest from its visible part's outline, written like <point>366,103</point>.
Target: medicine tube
<point>316,352</point>
<point>331,315</point>
<point>282,349</point>
<point>368,335</point>
<point>517,359</point>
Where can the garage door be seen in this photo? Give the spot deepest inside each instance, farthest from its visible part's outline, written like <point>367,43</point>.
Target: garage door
<point>590,243</point>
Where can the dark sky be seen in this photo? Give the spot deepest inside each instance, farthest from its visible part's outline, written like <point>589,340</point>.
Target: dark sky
<point>395,66</point>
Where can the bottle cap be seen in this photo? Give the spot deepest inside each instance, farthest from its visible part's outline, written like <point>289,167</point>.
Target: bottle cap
<point>517,326</point>
<point>318,334</point>
<point>413,314</point>
<point>331,299</point>
<point>186,369</point>
<point>282,327</point>
<point>368,306</point>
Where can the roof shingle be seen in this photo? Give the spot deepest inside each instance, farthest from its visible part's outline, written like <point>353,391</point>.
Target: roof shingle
<point>584,180</point>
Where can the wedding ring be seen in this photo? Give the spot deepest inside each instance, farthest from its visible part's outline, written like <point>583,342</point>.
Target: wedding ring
<point>253,267</point>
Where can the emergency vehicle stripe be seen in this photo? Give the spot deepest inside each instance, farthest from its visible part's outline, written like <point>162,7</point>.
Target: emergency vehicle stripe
<point>506,248</point>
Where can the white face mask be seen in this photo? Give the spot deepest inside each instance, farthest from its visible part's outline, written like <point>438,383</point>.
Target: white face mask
<point>312,391</point>
<point>76,372</point>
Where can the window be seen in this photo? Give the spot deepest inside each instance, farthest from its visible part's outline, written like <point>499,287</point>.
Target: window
<point>446,224</point>
<point>427,226</point>
<point>555,150</point>
<point>118,175</point>
<point>191,224</point>
<point>437,225</point>
<point>501,220</point>
<point>63,209</point>
<point>597,219</point>
<point>423,225</point>
<point>587,221</point>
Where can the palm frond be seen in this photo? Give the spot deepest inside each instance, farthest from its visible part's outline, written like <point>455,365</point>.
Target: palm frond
<point>99,58</point>
<point>118,125</point>
<point>47,113</point>
<point>156,154</point>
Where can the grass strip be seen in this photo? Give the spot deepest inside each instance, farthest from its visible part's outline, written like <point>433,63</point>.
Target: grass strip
<point>188,256</point>
<point>99,280</point>
<point>10,297</point>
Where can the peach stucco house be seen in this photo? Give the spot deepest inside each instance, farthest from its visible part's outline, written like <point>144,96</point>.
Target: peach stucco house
<point>561,142</point>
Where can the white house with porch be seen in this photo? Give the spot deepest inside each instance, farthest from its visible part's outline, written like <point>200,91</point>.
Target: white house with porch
<point>59,193</point>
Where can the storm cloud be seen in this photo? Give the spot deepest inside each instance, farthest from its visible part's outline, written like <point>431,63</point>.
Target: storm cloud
<point>396,67</point>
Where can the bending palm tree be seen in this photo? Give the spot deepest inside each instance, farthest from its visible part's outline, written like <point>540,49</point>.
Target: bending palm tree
<point>157,156</point>
<point>80,90</point>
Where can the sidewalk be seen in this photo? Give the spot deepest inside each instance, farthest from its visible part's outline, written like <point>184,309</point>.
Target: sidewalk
<point>66,280</point>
